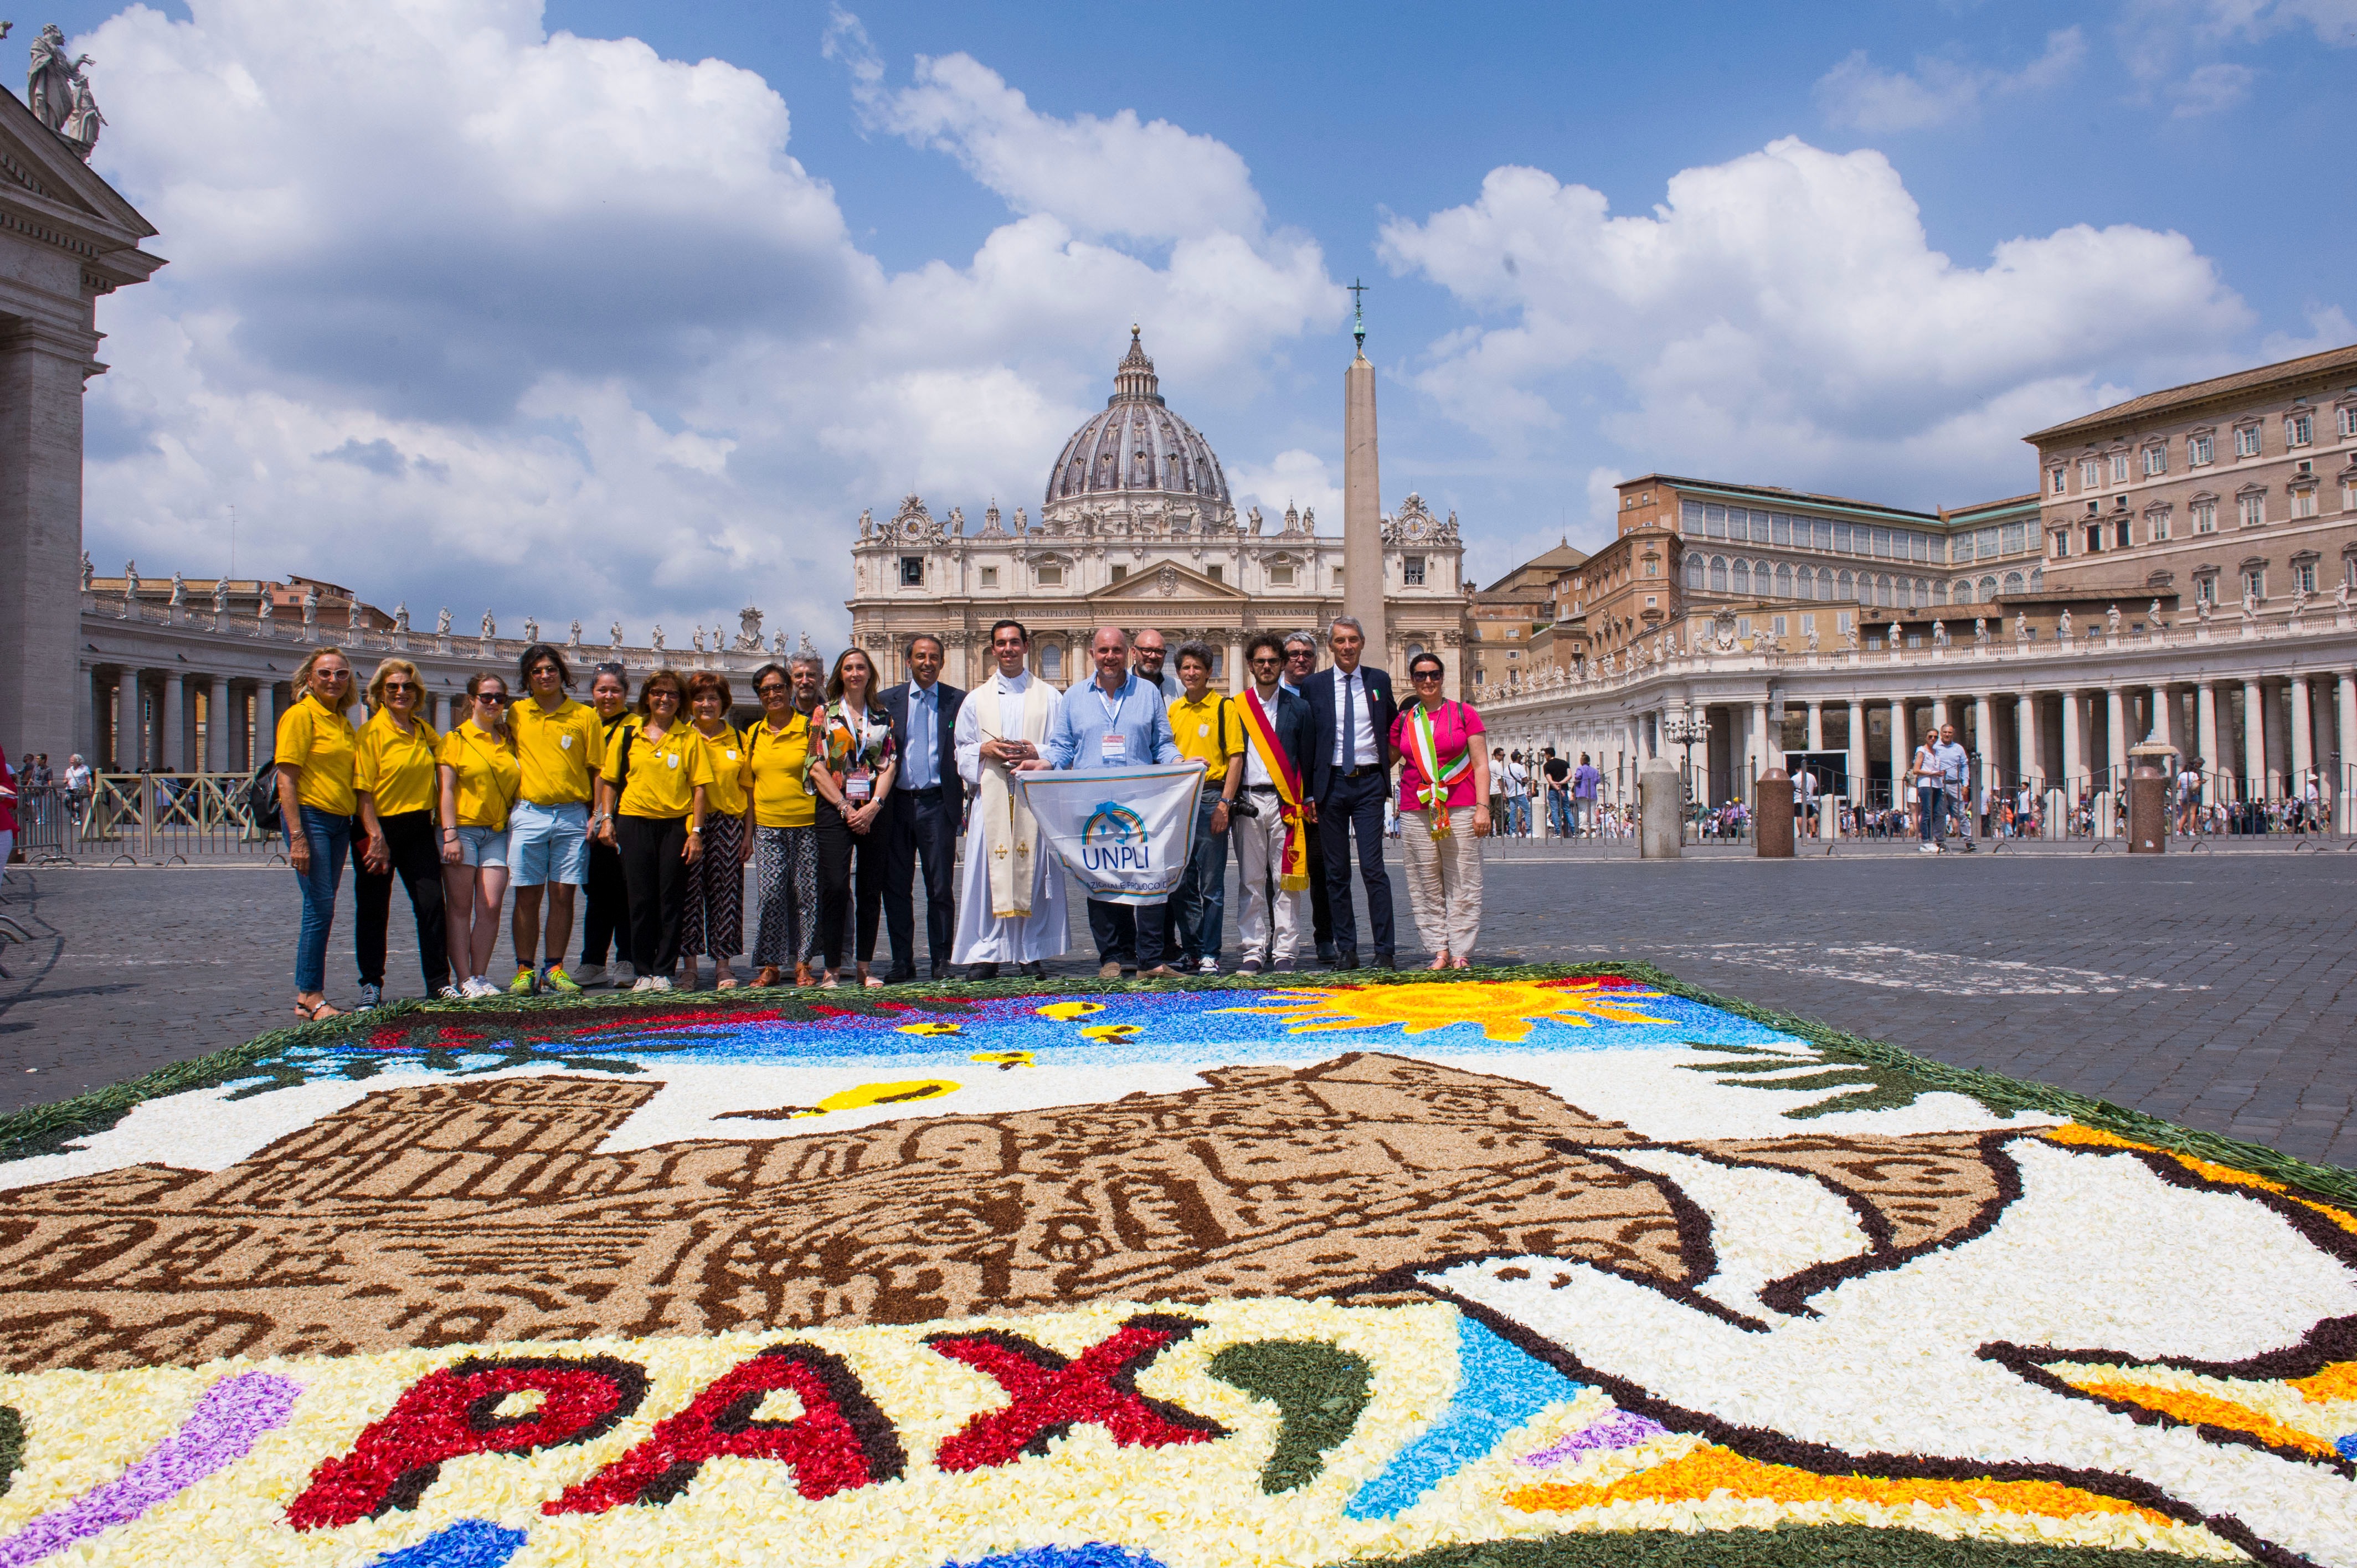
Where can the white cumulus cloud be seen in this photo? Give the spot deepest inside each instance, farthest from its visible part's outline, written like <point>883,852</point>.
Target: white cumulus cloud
<point>1782,317</point>
<point>1940,90</point>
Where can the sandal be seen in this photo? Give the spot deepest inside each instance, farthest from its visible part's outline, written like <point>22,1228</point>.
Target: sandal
<point>802,974</point>
<point>766,977</point>
<point>315,1011</point>
<point>724,983</point>
<point>868,980</point>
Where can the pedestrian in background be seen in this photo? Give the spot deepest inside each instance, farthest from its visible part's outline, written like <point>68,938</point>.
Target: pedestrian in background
<point>785,821</point>
<point>395,780</point>
<point>604,923</point>
<point>1557,773</point>
<point>922,818</point>
<point>313,754</point>
<point>712,920</point>
<point>478,776</point>
<point>851,768</point>
<point>1444,782</point>
<point>1301,664</point>
<point>1210,730</point>
<point>651,798</point>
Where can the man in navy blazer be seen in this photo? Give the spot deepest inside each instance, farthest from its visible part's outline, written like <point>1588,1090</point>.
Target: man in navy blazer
<point>1351,713</point>
<point>923,813</point>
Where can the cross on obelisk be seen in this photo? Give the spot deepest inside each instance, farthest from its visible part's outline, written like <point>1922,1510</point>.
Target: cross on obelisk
<point>1359,313</point>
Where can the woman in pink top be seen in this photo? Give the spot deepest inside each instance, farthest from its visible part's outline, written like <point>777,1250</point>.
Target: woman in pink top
<point>1444,809</point>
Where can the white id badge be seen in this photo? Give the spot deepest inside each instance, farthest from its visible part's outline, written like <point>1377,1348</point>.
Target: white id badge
<point>1112,750</point>
<point>859,786</point>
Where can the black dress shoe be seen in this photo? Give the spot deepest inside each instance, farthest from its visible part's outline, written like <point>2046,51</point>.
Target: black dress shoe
<point>941,972</point>
<point>1325,955</point>
<point>1035,970</point>
<point>982,971</point>
<point>1344,957</point>
<point>900,977</point>
<point>1385,960</point>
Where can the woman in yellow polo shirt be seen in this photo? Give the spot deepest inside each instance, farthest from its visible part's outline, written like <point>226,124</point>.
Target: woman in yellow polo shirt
<point>480,775</point>
<point>314,758</point>
<point>785,819</point>
<point>651,801</point>
<point>394,775</point>
<point>713,920</point>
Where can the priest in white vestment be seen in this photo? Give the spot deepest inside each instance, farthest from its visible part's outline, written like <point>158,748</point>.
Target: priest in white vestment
<point>1011,893</point>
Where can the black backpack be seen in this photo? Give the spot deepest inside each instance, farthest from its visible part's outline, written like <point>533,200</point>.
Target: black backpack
<point>262,798</point>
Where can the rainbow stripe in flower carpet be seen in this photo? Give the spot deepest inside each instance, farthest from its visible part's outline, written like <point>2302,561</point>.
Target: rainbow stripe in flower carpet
<point>1525,1268</point>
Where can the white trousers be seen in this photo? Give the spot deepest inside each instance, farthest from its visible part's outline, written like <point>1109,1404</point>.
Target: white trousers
<point>1444,881</point>
<point>1260,843</point>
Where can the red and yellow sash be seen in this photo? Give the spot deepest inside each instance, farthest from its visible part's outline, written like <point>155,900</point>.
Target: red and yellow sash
<point>1292,864</point>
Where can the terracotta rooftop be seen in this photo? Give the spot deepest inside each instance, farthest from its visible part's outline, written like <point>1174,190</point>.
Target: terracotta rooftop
<point>2331,361</point>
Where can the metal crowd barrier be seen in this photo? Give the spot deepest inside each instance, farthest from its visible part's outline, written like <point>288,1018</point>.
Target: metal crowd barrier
<point>164,819</point>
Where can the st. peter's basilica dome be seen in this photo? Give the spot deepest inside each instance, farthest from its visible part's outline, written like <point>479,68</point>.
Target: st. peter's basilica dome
<point>1138,449</point>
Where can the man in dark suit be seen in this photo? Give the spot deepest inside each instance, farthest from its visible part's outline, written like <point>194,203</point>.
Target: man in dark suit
<point>1301,664</point>
<point>923,812</point>
<point>1351,712</point>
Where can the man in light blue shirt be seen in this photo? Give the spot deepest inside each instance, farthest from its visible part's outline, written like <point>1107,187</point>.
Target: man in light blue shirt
<point>1117,721</point>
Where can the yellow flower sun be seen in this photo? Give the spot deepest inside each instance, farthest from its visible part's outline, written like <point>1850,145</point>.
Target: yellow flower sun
<point>1505,1009</point>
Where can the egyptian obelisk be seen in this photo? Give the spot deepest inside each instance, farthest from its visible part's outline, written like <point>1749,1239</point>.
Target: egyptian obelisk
<point>1362,497</point>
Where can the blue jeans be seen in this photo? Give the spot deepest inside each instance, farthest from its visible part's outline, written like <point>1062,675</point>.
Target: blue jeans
<point>1560,812</point>
<point>330,838</point>
<point>1518,809</point>
<point>1198,903</point>
<point>1933,806</point>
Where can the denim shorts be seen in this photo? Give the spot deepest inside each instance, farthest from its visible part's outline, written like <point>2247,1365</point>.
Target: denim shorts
<point>483,846</point>
<point>548,843</point>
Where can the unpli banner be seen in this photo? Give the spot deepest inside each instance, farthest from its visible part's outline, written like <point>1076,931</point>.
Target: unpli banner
<point>1126,833</point>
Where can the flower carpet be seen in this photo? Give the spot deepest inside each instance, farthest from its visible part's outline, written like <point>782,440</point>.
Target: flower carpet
<point>1519,1269</point>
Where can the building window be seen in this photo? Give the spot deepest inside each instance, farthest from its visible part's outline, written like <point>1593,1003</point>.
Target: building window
<point>1338,578</point>
<point>1216,573</point>
<point>2246,441</point>
<point>1280,577</point>
<point>1719,573</point>
<point>2094,537</point>
<point>2251,511</point>
<point>1121,574</point>
<point>2200,450</point>
<point>2299,429</point>
<point>2119,467</point>
<point>2055,475</point>
<point>2159,525</point>
<point>2013,582</point>
<point>2036,579</point>
<point>2347,420</point>
<point>1743,577</point>
<point>2205,517</point>
<point>2062,545</point>
<point>1849,588</point>
<point>2091,473</point>
<point>1051,661</point>
<point>1693,573</point>
<point>1412,571</point>
<point>2205,589</point>
<point>2255,581</point>
<point>2017,538</point>
<point>2121,537</point>
<point>2156,461</point>
<point>1052,577</point>
<point>2303,502</point>
<point>2349,492</point>
<point>1988,587</point>
<point>912,570</point>
<point>1962,592</point>
<point>990,576</point>
<point>1783,580</point>
<point>2303,577</point>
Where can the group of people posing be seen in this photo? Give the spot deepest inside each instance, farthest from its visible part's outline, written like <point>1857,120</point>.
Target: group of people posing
<point>652,804</point>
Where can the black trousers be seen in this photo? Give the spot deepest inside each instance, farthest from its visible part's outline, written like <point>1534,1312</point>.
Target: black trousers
<point>1355,806</point>
<point>651,850</point>
<point>919,826</point>
<point>849,862</point>
<point>1130,935</point>
<point>606,922</point>
<point>415,843</point>
<point>1321,908</point>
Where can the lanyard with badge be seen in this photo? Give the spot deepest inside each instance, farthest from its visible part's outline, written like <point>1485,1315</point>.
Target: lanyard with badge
<point>1112,747</point>
<point>859,781</point>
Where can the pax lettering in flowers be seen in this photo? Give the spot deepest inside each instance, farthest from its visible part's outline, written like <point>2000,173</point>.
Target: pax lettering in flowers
<point>1929,1364</point>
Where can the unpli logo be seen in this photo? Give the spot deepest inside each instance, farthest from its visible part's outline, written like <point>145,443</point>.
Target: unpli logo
<point>1114,839</point>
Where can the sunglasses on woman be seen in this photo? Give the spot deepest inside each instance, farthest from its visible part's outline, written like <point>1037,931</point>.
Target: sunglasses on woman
<point>1421,676</point>
<point>392,686</point>
<point>496,699</point>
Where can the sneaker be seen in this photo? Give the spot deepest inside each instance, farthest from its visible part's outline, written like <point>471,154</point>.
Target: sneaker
<point>371,995</point>
<point>556,979</point>
<point>1109,971</point>
<point>659,982</point>
<point>451,994</point>
<point>1282,966</point>
<point>589,976</point>
<point>1209,966</point>
<point>1249,966</point>
<point>476,988</point>
<point>643,983</point>
<point>525,983</point>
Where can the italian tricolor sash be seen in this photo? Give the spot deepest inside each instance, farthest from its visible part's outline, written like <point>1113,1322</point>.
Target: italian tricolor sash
<point>1292,864</point>
<point>1437,775</point>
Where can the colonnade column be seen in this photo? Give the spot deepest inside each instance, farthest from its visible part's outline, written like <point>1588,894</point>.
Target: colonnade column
<point>2278,742</point>
<point>2115,723</point>
<point>1857,752</point>
<point>2025,736</point>
<point>2073,740</point>
<point>217,724</point>
<point>1939,714</point>
<point>2164,717</point>
<point>2255,737</point>
<point>1984,742</point>
<point>1238,676</point>
<point>169,754</point>
<point>2342,792</point>
<point>2205,737</point>
<point>1761,751</point>
<point>1816,727</point>
<point>1902,746</point>
<point>128,731</point>
<point>2303,740</point>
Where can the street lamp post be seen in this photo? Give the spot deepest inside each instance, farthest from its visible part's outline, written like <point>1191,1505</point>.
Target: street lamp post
<point>1687,730</point>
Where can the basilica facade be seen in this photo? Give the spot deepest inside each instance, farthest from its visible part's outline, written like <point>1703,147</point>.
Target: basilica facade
<point>1136,528</point>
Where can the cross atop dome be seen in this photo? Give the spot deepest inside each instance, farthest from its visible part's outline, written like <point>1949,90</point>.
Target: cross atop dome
<point>1133,380</point>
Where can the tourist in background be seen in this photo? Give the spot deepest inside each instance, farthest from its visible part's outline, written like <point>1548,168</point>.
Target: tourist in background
<point>922,820</point>
<point>1557,773</point>
<point>851,767</point>
<point>1500,811</point>
<point>8,781</point>
<point>1208,729</point>
<point>479,775</point>
<point>606,920</point>
<point>1444,783</point>
<point>713,923</point>
<point>561,743</point>
<point>78,782</point>
<point>313,754</point>
<point>1272,859</point>
<point>1117,720</point>
<point>650,804</point>
<point>1351,713</point>
<point>777,752</point>
<point>394,779</point>
<point>1518,796</point>
<point>1301,664</point>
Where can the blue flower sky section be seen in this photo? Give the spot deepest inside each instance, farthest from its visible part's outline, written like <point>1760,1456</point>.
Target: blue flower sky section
<point>1135,1028</point>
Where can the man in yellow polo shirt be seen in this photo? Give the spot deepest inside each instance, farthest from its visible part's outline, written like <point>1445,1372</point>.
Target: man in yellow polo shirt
<point>561,745</point>
<point>1208,729</point>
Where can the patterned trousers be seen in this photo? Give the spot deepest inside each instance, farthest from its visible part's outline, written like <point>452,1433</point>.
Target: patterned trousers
<point>713,923</point>
<point>787,863</point>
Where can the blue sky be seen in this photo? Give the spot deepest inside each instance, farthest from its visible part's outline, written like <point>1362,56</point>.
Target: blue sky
<point>623,311</point>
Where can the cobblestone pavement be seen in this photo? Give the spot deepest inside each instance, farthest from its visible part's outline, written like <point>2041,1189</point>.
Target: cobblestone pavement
<point>2216,990</point>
